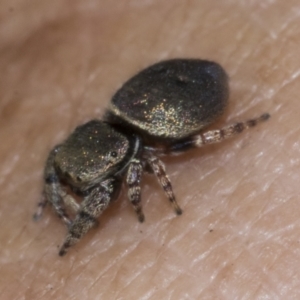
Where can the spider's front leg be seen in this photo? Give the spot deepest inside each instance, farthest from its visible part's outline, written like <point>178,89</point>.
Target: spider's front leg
<point>53,191</point>
<point>90,209</point>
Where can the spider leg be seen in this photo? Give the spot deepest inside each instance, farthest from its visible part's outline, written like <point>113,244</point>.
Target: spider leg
<point>133,181</point>
<point>40,208</point>
<point>215,136</point>
<point>53,191</point>
<point>158,168</point>
<point>90,209</point>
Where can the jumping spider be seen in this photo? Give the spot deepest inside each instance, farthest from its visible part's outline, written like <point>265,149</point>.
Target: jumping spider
<point>164,109</point>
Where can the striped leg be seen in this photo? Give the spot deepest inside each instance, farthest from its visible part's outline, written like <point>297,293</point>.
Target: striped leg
<point>216,136</point>
<point>53,192</point>
<point>40,208</point>
<point>90,209</point>
<point>159,170</point>
<point>133,181</point>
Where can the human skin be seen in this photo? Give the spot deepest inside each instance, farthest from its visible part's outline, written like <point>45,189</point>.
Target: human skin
<point>238,237</point>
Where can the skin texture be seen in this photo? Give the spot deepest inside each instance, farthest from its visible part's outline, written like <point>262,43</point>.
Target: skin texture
<point>238,237</point>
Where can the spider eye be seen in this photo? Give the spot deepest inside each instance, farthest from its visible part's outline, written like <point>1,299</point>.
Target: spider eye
<point>114,154</point>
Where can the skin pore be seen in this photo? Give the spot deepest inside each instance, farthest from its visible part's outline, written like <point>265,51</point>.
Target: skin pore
<point>238,237</point>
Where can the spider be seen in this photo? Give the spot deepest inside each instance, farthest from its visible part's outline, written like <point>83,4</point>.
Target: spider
<point>162,110</point>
